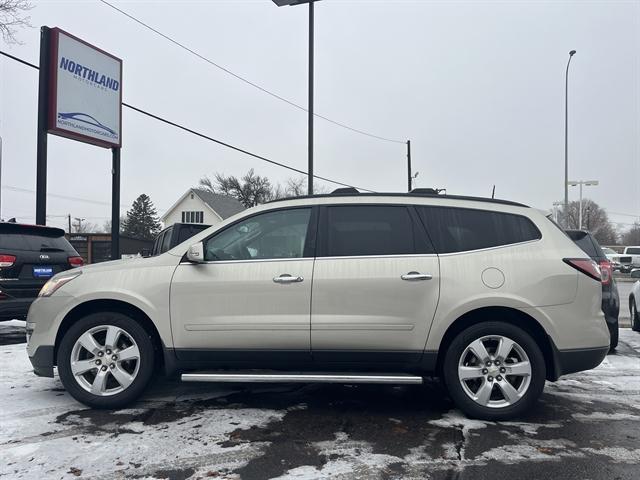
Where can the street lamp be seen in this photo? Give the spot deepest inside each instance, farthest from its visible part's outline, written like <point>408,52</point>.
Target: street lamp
<point>282,3</point>
<point>587,183</point>
<point>566,138</point>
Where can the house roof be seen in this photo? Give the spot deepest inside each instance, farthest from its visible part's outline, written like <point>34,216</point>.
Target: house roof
<point>223,205</point>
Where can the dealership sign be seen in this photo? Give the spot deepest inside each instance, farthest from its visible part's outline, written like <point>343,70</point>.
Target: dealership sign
<point>85,92</point>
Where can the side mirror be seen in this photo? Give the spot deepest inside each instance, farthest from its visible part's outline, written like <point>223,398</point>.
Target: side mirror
<point>195,253</point>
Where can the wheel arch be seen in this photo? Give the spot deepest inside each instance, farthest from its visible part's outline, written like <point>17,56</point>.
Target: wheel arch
<point>110,305</point>
<point>510,315</point>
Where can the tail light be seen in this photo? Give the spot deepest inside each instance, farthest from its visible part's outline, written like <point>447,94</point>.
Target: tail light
<point>6,260</point>
<point>586,266</point>
<point>75,261</point>
<point>606,269</point>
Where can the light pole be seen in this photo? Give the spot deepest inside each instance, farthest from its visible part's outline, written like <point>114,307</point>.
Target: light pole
<point>588,183</point>
<point>0,178</point>
<point>566,139</point>
<point>282,3</point>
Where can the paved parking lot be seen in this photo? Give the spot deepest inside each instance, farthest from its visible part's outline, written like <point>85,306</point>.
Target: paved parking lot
<point>586,426</point>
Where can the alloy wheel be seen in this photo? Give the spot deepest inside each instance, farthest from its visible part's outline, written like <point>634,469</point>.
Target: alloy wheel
<point>494,371</point>
<point>105,360</point>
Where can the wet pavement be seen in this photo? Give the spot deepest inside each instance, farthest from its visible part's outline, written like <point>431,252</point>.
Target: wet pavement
<point>587,425</point>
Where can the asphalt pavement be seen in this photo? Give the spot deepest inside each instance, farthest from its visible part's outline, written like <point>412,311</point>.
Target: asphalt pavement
<point>586,426</point>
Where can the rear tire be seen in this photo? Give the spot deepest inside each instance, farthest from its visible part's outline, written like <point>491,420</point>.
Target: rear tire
<point>502,385</point>
<point>105,360</point>
<point>635,316</point>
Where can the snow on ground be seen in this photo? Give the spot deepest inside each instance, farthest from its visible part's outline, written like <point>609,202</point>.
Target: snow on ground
<point>586,422</point>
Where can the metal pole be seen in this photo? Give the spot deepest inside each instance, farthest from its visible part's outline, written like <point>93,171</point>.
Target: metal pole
<point>566,142</point>
<point>115,204</point>
<point>409,178</point>
<point>0,178</point>
<point>43,111</point>
<point>69,218</point>
<point>310,112</point>
<point>580,214</point>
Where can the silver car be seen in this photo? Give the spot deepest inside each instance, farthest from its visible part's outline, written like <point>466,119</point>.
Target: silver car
<point>489,295</point>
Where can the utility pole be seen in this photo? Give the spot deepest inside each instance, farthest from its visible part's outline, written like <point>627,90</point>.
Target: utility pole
<point>0,178</point>
<point>69,219</point>
<point>310,113</point>
<point>409,177</point>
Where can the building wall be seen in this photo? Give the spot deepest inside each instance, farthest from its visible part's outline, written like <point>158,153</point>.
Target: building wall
<point>96,247</point>
<point>191,203</point>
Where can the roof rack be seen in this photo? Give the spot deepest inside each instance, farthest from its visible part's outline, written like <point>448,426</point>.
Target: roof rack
<point>405,194</point>
<point>345,191</point>
<point>428,191</point>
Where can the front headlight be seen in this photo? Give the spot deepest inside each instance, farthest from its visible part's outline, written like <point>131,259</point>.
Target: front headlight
<point>55,283</point>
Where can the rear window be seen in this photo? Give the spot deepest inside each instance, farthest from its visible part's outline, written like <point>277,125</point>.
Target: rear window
<point>34,243</point>
<point>583,240</point>
<point>633,251</point>
<point>188,232</point>
<point>463,229</point>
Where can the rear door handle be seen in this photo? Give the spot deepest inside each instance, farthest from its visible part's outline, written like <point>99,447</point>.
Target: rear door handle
<point>286,278</point>
<point>415,276</point>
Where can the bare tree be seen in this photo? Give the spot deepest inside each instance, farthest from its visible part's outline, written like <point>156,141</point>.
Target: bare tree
<point>632,236</point>
<point>250,190</point>
<point>106,226</point>
<point>594,220</point>
<point>12,17</point>
<point>82,226</point>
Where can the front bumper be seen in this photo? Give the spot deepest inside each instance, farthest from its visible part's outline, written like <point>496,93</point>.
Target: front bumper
<point>42,361</point>
<point>15,308</point>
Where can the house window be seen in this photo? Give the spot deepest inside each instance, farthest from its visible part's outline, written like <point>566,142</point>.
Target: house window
<point>192,217</point>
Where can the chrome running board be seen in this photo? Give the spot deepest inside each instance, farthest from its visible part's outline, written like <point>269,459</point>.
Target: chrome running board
<point>301,378</point>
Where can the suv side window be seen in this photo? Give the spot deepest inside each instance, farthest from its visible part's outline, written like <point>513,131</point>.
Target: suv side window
<point>166,241</point>
<point>357,230</point>
<point>270,235</point>
<point>454,229</point>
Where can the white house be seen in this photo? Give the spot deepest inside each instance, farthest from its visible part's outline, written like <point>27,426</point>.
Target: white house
<point>200,206</point>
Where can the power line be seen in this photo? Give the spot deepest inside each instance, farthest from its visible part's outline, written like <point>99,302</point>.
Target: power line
<point>53,195</point>
<point>67,197</point>
<point>207,137</point>
<point>243,79</point>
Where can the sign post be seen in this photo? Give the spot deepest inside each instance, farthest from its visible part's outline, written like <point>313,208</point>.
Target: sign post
<point>79,97</point>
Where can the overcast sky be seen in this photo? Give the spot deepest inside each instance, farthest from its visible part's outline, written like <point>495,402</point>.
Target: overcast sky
<point>477,86</point>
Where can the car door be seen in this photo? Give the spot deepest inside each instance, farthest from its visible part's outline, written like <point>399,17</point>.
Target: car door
<point>250,300</point>
<point>375,285</point>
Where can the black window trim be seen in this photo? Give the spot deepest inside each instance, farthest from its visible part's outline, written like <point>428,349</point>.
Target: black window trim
<point>309,244</point>
<point>486,248</point>
<point>421,242</point>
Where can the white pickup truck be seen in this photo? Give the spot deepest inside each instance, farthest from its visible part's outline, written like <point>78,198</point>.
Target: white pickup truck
<point>628,259</point>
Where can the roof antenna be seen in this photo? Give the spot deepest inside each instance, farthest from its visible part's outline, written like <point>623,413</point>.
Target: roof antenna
<point>493,192</point>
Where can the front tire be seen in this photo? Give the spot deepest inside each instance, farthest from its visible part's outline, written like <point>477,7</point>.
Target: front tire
<point>106,360</point>
<point>494,371</point>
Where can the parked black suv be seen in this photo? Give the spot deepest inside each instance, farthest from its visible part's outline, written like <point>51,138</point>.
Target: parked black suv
<point>610,298</point>
<point>175,235</point>
<point>29,256</point>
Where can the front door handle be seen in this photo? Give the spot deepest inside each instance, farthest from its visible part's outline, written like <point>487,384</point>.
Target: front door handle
<point>414,276</point>
<point>286,278</point>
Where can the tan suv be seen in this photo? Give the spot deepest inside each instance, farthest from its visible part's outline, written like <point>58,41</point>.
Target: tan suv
<point>384,288</point>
